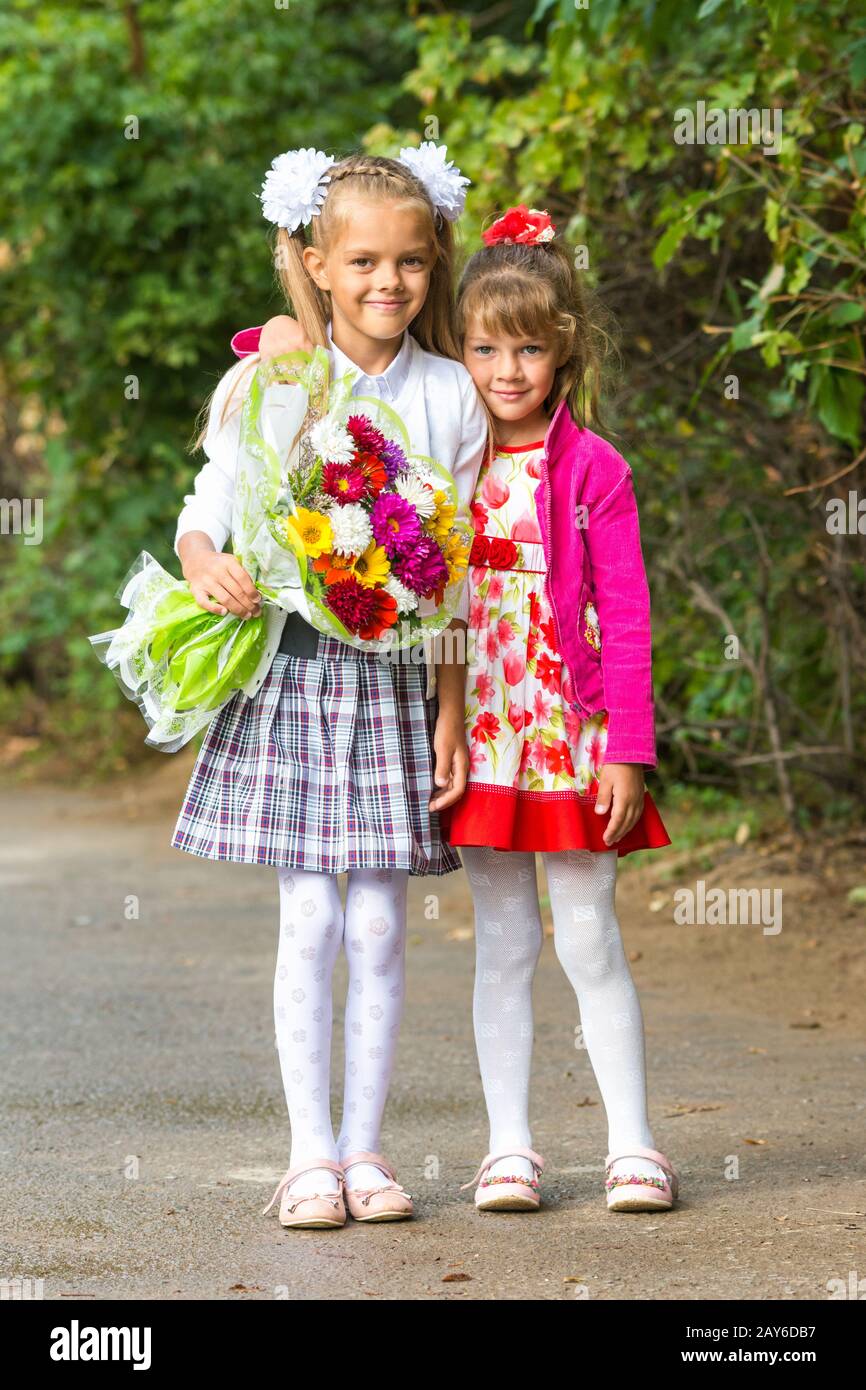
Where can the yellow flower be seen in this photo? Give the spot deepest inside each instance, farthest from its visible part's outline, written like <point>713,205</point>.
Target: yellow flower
<point>372,567</point>
<point>313,530</point>
<point>456,551</point>
<point>441,523</point>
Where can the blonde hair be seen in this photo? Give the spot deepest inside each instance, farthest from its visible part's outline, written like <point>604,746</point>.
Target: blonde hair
<point>535,291</point>
<point>373,178</point>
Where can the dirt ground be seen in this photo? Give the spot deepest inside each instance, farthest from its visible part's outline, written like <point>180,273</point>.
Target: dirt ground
<point>144,1122</point>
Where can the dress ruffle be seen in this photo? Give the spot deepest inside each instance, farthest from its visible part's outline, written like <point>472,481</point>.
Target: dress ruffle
<point>503,818</point>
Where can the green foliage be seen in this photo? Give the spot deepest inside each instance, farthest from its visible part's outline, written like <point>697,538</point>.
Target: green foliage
<point>135,141</point>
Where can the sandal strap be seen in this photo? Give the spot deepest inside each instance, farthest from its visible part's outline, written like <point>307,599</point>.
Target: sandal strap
<point>487,1162</point>
<point>637,1151</point>
<point>288,1178</point>
<point>375,1160</point>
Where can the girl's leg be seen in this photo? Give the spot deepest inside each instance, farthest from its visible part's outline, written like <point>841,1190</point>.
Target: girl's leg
<point>582,886</point>
<point>311,931</point>
<point>508,938</point>
<point>375,935</point>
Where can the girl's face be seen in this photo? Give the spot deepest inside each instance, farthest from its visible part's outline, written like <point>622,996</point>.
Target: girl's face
<point>377,271</point>
<point>514,375</point>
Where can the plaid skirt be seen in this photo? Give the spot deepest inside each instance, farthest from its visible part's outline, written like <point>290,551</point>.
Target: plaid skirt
<point>328,767</point>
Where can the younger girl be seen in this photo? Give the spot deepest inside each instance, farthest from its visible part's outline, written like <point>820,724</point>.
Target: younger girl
<point>559,711</point>
<point>325,763</point>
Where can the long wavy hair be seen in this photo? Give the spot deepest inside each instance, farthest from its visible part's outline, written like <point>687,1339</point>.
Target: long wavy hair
<point>376,179</point>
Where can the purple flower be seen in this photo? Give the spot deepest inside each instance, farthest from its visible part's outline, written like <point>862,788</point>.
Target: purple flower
<point>422,569</point>
<point>393,458</point>
<point>395,523</point>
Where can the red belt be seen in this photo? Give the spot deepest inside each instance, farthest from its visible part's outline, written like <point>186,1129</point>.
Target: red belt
<point>500,553</point>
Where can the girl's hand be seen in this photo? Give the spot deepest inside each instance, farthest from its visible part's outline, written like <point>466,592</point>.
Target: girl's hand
<point>452,759</point>
<point>622,783</point>
<point>220,585</point>
<point>283,334</point>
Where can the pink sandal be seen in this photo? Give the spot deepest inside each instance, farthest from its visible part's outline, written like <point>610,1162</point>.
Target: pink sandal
<point>508,1193</point>
<point>388,1202</point>
<point>637,1191</point>
<point>319,1208</point>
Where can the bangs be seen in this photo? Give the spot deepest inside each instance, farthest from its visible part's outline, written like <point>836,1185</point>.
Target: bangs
<point>514,305</point>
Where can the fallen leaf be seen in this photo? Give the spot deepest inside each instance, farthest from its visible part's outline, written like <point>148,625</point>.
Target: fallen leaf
<point>455,1278</point>
<point>742,834</point>
<point>756,1141</point>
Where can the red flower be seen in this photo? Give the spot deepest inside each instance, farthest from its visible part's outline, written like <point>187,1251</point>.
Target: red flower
<point>502,554</point>
<point>479,514</point>
<point>367,612</point>
<point>557,757</point>
<point>518,225</point>
<point>548,671</point>
<point>549,633</point>
<point>485,727</point>
<point>480,547</point>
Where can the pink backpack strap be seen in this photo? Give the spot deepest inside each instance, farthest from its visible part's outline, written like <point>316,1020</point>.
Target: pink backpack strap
<point>246,341</point>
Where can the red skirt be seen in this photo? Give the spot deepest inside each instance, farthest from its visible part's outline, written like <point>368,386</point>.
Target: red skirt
<point>503,818</point>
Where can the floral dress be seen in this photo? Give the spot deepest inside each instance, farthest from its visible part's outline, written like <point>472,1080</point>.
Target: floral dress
<point>534,762</point>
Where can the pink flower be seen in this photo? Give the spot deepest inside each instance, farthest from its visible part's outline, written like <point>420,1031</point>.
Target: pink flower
<point>596,751</point>
<point>492,642</point>
<point>541,707</point>
<point>526,528</point>
<point>477,756</point>
<point>573,723</point>
<point>494,588</point>
<point>505,632</point>
<point>516,715</point>
<point>485,688</point>
<point>514,667</point>
<point>478,615</point>
<point>537,753</point>
<point>495,492</point>
<point>533,467</point>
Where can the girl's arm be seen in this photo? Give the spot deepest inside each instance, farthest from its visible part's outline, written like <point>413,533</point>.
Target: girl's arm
<point>217,581</point>
<point>622,601</point>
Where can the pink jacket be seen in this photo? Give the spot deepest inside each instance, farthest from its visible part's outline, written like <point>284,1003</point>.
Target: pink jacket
<point>596,582</point>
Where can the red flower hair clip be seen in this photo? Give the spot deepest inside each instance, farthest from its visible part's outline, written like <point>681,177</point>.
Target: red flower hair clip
<point>520,226</point>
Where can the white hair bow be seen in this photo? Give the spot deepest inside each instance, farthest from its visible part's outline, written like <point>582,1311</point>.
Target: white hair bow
<point>296,183</point>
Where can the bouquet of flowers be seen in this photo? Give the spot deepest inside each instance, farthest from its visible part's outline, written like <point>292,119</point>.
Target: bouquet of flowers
<point>333,516</point>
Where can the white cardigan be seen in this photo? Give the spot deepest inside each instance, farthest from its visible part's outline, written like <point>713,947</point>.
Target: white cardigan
<point>437,401</point>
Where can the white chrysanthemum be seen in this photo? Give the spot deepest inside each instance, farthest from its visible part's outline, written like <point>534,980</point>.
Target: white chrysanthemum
<point>351,528</point>
<point>442,179</point>
<point>295,187</point>
<point>332,441</point>
<point>406,599</point>
<point>417,492</point>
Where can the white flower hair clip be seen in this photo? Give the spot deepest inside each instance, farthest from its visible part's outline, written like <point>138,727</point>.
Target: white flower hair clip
<point>442,179</point>
<point>295,187</point>
<point>296,183</point>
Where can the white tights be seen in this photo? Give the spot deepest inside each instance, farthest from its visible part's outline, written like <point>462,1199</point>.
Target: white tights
<point>508,935</point>
<point>313,927</point>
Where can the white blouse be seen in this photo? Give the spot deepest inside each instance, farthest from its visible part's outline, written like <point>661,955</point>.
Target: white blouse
<point>437,401</point>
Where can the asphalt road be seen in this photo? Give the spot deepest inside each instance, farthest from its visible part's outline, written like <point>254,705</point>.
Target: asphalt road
<point>144,1126</point>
